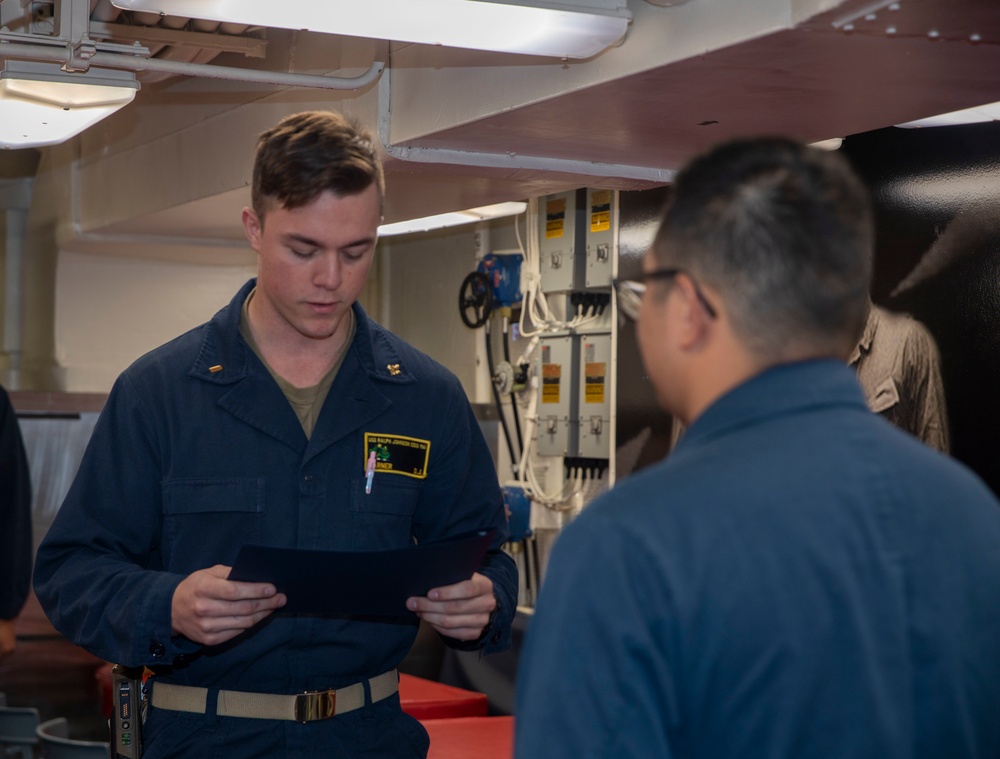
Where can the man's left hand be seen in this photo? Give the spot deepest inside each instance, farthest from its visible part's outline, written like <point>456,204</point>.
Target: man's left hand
<point>459,611</point>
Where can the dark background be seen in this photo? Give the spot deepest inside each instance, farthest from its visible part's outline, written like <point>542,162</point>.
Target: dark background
<point>936,193</point>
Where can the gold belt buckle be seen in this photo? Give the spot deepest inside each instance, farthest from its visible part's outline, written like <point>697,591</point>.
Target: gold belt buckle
<point>315,705</point>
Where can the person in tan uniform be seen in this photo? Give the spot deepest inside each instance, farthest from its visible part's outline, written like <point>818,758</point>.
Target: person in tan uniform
<point>898,366</point>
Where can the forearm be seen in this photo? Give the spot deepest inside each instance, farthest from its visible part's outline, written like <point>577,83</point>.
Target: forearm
<point>116,610</point>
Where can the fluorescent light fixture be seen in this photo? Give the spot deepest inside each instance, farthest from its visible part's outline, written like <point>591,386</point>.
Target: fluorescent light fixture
<point>427,223</point>
<point>833,143</point>
<point>40,104</point>
<point>560,28</point>
<point>981,113</point>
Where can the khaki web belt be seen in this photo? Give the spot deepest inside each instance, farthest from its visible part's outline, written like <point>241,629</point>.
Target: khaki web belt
<point>301,707</point>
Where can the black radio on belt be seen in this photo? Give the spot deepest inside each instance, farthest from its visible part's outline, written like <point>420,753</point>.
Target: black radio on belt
<point>126,713</point>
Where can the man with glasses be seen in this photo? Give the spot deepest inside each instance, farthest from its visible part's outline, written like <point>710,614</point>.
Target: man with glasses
<point>799,578</point>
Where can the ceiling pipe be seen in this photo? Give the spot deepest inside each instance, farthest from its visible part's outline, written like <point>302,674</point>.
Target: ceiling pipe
<point>511,161</point>
<point>321,81</point>
<point>126,62</point>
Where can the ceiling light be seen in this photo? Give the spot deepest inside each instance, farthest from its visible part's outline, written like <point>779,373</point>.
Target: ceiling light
<point>981,113</point>
<point>427,223</point>
<point>833,143</point>
<point>40,104</point>
<point>561,28</point>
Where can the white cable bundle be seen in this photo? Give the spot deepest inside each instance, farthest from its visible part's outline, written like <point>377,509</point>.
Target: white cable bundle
<point>571,495</point>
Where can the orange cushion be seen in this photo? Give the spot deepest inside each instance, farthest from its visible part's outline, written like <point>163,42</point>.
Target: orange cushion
<point>481,737</point>
<point>426,699</point>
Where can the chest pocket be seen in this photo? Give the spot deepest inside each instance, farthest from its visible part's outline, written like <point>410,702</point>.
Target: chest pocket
<point>884,397</point>
<point>207,519</point>
<point>383,518</point>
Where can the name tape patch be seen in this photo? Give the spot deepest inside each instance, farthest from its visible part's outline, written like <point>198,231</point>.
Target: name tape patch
<point>398,454</point>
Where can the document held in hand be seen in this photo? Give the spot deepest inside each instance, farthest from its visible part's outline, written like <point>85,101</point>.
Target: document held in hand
<point>362,583</point>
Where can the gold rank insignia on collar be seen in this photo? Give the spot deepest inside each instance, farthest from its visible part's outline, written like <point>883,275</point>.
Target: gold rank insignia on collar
<point>215,369</point>
<point>393,369</point>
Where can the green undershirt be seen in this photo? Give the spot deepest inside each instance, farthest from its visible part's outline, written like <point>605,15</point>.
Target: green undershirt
<point>306,402</point>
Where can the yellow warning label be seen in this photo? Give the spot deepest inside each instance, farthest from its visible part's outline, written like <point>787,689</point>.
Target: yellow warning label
<point>595,374</point>
<point>600,222</point>
<point>555,218</point>
<point>600,210</point>
<point>551,376</point>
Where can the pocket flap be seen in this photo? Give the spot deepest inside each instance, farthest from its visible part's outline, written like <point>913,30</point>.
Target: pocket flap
<point>199,495</point>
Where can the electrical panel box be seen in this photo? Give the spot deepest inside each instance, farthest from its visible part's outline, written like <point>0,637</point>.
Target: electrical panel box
<point>600,237</point>
<point>594,392</point>
<point>562,223</point>
<point>557,401</point>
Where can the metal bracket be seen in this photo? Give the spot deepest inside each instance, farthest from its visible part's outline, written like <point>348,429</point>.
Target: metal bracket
<point>43,17</point>
<point>846,23</point>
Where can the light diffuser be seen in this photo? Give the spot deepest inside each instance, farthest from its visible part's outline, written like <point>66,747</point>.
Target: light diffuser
<point>40,104</point>
<point>979,114</point>
<point>565,29</point>
<point>427,223</point>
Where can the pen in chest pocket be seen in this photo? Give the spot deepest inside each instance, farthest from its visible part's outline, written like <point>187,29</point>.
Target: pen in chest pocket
<point>370,472</point>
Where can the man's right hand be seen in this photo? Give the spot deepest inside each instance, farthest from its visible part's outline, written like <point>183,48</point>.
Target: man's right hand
<point>210,609</point>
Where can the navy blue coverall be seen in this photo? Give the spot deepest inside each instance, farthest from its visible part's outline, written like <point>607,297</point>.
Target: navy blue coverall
<point>197,453</point>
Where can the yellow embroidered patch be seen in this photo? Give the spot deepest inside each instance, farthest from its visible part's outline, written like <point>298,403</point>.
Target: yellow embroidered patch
<point>398,454</point>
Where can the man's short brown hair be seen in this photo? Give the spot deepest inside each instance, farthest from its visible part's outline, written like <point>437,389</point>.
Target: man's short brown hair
<point>309,153</point>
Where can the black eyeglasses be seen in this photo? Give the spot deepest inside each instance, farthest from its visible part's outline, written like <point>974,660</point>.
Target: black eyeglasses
<point>630,291</point>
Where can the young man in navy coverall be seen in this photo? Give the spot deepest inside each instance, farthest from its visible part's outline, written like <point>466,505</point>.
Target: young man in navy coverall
<point>256,428</point>
<point>798,578</point>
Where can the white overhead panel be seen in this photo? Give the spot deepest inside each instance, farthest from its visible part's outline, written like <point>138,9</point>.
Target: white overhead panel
<point>564,29</point>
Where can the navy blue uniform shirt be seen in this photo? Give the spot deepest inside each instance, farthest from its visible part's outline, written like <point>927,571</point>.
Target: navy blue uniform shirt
<point>799,579</point>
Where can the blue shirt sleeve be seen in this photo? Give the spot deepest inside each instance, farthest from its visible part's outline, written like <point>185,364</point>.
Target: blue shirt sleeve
<point>91,572</point>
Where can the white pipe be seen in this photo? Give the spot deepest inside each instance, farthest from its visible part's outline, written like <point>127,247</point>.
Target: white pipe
<point>134,63</point>
<point>136,239</point>
<point>242,75</point>
<point>511,161</point>
<point>13,314</point>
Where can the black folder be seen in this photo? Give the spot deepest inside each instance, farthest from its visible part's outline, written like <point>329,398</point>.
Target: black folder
<point>362,583</point>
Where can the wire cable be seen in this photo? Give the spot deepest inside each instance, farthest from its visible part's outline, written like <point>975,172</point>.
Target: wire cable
<point>496,397</point>
<point>513,403</point>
